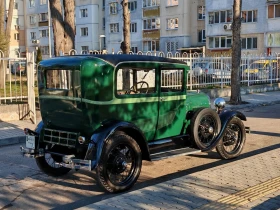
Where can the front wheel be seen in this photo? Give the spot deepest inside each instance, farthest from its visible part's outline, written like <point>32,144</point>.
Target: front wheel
<point>205,126</point>
<point>120,163</point>
<point>233,140</point>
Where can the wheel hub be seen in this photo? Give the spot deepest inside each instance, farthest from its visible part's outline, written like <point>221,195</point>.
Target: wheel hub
<point>119,164</point>
<point>210,130</point>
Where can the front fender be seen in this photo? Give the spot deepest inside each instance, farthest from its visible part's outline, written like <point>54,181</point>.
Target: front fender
<point>103,133</point>
<point>225,118</point>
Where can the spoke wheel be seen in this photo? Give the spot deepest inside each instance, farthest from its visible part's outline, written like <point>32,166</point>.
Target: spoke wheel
<point>120,163</point>
<point>205,126</point>
<point>233,140</point>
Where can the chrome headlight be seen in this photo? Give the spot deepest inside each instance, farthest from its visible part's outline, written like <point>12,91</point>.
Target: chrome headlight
<point>219,103</point>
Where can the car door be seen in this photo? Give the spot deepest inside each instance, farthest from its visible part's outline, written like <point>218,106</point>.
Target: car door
<point>172,101</point>
<point>137,96</point>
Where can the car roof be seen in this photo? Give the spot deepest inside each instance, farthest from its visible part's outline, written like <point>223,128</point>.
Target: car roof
<point>113,59</point>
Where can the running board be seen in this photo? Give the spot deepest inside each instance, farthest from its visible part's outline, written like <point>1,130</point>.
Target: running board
<point>174,153</point>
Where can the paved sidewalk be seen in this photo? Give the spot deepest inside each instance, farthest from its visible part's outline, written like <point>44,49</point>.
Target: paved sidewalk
<point>250,183</point>
<point>12,132</point>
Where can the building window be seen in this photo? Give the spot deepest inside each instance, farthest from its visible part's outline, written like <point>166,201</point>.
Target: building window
<point>85,49</point>
<point>32,35</point>
<point>43,17</point>
<point>151,45</point>
<point>201,12</point>
<point>133,27</point>
<point>249,16</point>
<point>172,23</point>
<point>16,36</point>
<point>84,31</point>
<point>16,21</point>
<point>151,24</point>
<point>201,36</point>
<point>134,49</point>
<point>103,23</point>
<point>45,50</point>
<point>171,46</point>
<point>151,3</point>
<point>32,19</point>
<point>273,11</point>
<point>172,3</point>
<point>249,43</point>
<point>220,42</point>
<point>220,17</point>
<point>44,33</point>
<point>16,6</point>
<point>114,8</point>
<point>114,28</point>
<point>132,6</point>
<point>83,12</point>
<point>31,3</point>
<point>43,2</point>
<point>103,4</point>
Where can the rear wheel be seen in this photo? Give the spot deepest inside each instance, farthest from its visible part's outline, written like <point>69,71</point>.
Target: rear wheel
<point>205,126</point>
<point>120,163</point>
<point>233,140</point>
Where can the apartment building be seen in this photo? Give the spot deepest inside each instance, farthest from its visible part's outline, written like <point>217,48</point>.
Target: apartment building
<point>17,38</point>
<point>38,29</point>
<point>182,26</point>
<point>114,25</point>
<point>260,28</point>
<point>90,26</point>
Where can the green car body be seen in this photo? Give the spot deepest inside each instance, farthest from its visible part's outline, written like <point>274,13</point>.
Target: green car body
<point>96,101</point>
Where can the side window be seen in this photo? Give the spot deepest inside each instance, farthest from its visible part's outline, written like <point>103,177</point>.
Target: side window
<point>172,80</point>
<point>135,81</point>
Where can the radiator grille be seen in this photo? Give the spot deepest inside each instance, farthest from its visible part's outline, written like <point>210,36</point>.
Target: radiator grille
<point>63,138</point>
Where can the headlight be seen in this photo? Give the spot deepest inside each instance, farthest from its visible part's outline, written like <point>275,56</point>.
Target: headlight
<point>219,103</point>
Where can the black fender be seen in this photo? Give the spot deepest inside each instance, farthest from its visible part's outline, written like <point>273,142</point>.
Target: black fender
<point>102,134</point>
<point>225,117</point>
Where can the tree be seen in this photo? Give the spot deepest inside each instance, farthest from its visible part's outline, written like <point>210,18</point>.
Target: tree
<point>38,55</point>
<point>63,25</point>
<point>125,45</point>
<point>235,97</point>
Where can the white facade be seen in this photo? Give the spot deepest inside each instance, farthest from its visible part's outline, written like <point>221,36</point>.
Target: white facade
<point>89,26</point>
<point>114,20</point>
<point>37,27</point>
<point>259,33</point>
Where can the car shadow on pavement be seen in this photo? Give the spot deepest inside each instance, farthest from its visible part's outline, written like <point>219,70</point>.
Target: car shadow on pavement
<point>168,177</point>
<point>265,133</point>
<point>271,203</point>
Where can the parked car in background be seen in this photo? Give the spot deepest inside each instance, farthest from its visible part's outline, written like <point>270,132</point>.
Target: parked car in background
<point>261,69</point>
<point>211,70</point>
<point>19,68</point>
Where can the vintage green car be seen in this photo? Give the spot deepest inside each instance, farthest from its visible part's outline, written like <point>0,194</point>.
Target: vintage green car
<point>109,112</point>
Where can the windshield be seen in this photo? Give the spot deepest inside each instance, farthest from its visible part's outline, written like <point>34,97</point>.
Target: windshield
<point>257,66</point>
<point>201,65</point>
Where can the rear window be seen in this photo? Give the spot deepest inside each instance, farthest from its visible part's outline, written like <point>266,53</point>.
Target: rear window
<point>62,79</point>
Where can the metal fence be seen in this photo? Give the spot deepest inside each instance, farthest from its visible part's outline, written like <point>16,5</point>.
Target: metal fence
<point>215,70</point>
<point>14,80</point>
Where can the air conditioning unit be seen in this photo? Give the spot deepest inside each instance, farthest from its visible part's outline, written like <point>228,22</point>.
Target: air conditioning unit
<point>35,41</point>
<point>228,27</point>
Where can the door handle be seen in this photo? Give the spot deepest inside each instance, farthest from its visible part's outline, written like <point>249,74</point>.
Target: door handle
<point>162,99</point>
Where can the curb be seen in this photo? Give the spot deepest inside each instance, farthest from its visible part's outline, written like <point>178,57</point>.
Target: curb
<point>250,105</point>
<point>12,140</point>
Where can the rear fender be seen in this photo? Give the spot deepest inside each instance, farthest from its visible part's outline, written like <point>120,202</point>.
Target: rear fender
<point>102,134</point>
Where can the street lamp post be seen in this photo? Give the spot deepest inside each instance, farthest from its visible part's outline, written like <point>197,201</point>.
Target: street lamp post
<point>101,36</point>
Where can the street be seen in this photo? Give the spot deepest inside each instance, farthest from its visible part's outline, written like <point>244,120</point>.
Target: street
<point>23,186</point>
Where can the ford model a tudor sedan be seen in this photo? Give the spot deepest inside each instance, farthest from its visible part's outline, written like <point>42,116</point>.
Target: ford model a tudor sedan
<point>109,112</point>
